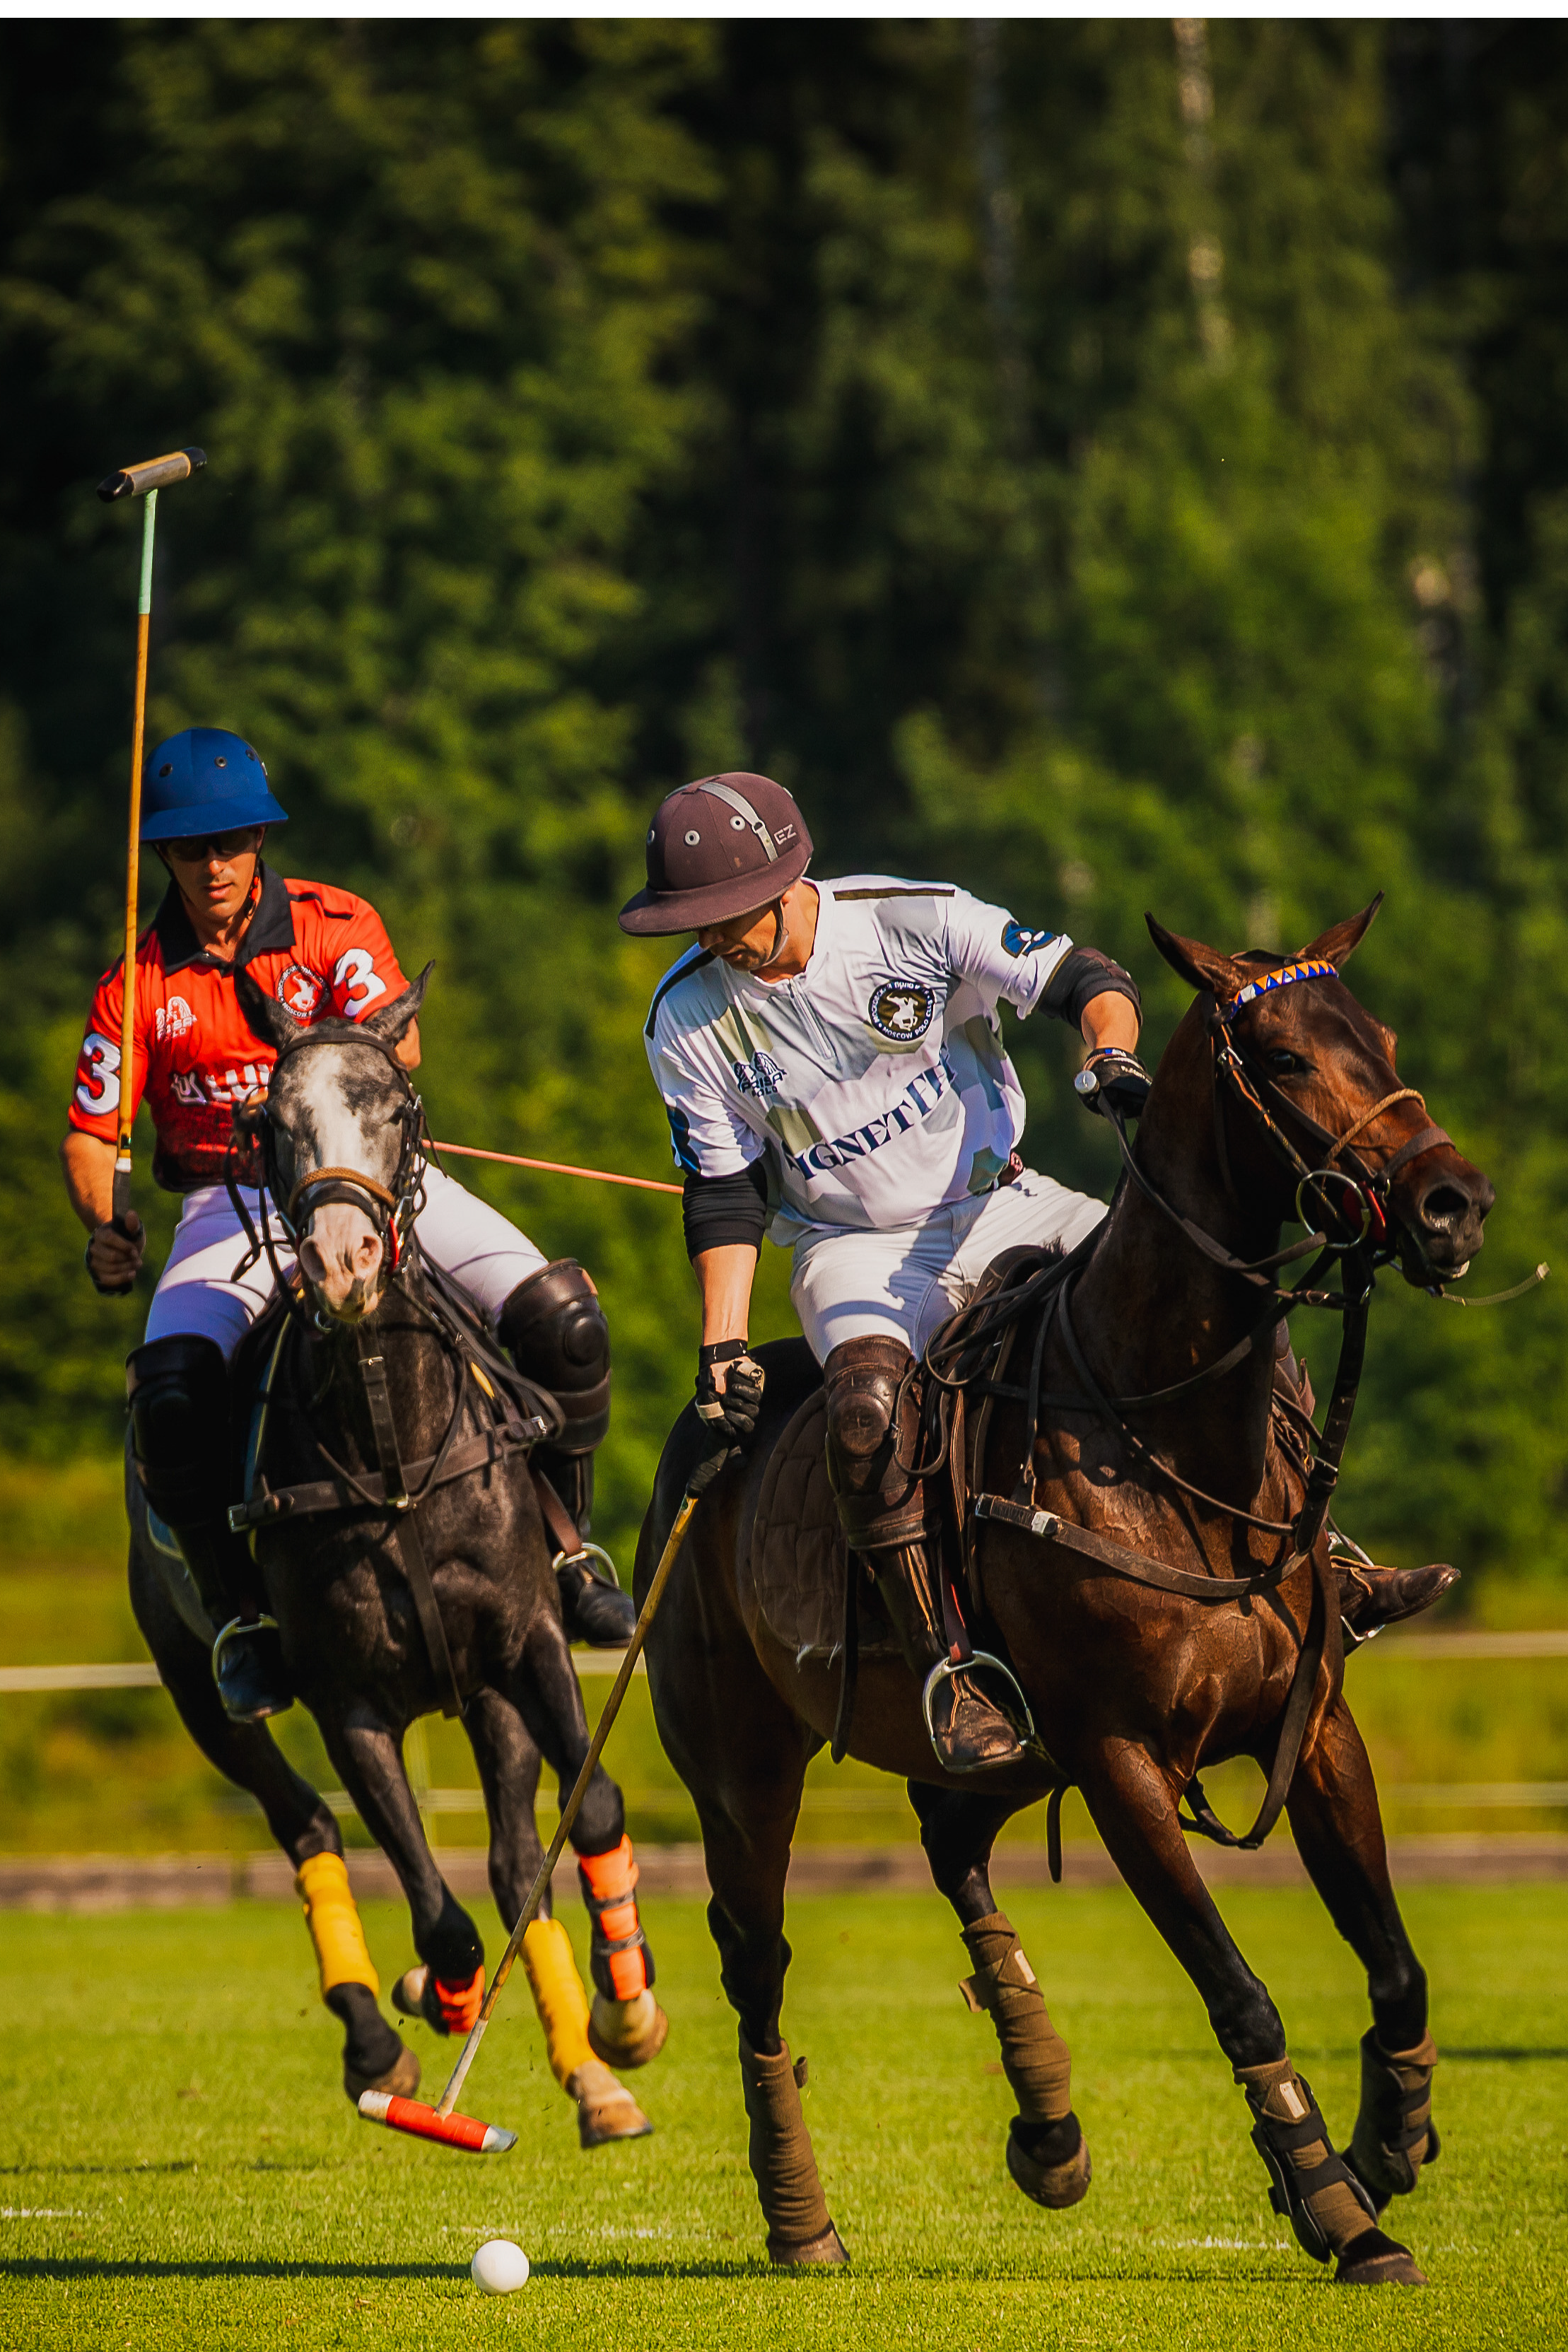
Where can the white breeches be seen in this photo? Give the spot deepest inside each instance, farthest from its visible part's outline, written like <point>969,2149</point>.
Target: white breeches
<point>903,1280</point>
<point>197,1295</point>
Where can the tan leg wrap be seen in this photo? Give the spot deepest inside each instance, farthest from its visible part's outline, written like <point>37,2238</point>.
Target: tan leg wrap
<point>332,1917</point>
<point>559,1997</point>
<point>1277,2095</point>
<point>780,2155</point>
<point>1035,2058</point>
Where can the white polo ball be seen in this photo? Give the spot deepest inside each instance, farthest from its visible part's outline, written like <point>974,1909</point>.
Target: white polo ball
<point>500,2267</point>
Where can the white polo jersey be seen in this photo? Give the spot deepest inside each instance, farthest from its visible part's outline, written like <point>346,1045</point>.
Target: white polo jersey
<point>875,1081</point>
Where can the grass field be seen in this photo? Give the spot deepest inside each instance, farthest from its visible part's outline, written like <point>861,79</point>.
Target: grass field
<point>178,2167</point>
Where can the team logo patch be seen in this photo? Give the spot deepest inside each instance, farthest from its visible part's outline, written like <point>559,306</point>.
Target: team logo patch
<point>174,1020</point>
<point>300,991</point>
<point>1019,940</point>
<point>901,1010</point>
<point>759,1077</point>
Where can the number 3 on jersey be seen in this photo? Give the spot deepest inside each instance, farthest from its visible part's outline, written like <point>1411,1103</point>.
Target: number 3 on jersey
<point>356,976</point>
<point>97,1090</point>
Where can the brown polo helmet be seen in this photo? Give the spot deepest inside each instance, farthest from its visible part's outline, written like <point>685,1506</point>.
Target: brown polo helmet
<point>723,847</point>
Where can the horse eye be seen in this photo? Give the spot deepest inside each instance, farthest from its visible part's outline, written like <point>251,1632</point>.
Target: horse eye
<point>1283,1063</point>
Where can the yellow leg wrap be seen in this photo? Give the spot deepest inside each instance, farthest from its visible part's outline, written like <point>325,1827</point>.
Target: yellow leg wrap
<point>332,1917</point>
<point>558,1996</point>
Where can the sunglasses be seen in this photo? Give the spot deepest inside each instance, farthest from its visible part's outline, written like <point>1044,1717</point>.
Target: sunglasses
<point>194,850</point>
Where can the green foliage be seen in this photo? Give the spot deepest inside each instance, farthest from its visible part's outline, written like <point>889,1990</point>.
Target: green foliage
<point>1103,476</point>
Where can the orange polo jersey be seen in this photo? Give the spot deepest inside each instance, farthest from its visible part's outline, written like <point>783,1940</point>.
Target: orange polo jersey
<point>319,951</point>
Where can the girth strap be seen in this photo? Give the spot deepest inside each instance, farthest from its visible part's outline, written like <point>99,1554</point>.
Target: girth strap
<point>367,1489</point>
<point>403,1538</point>
<point>1122,1560</point>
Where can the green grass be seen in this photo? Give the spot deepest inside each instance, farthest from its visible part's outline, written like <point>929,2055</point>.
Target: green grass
<point>178,2167</point>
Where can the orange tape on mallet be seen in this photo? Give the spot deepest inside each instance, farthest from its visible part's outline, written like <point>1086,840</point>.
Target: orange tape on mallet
<point>452,2131</point>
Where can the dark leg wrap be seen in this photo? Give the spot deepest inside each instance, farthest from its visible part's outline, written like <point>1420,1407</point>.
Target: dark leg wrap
<point>1395,2134</point>
<point>782,2166</point>
<point>1313,2189</point>
<point>1047,2153</point>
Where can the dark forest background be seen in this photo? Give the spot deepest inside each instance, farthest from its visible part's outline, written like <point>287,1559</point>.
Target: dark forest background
<point>1112,465</point>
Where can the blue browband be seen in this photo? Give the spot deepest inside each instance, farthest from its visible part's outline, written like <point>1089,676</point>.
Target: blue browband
<point>1280,979</point>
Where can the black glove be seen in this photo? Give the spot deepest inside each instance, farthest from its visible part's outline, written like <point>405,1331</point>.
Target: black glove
<point>730,1413</point>
<point>1111,1077</point>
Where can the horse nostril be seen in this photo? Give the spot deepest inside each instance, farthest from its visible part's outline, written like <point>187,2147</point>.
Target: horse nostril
<point>1445,1203</point>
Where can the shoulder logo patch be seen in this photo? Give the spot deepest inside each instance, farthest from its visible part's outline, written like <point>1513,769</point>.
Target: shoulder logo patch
<point>1019,940</point>
<point>759,1077</point>
<point>300,991</point>
<point>903,1009</point>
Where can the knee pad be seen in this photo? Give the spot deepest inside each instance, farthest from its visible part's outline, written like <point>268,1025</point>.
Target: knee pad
<point>878,1501</point>
<point>554,1327</point>
<point>177,1391</point>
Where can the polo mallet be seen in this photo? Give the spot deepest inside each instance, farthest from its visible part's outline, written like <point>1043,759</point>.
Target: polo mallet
<point>441,2121</point>
<point>136,482</point>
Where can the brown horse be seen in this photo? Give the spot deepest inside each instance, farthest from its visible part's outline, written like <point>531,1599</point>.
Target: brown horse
<point>1132,1687</point>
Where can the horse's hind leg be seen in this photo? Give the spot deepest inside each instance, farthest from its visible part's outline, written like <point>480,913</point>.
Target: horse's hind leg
<point>1339,1835</point>
<point>374,2056</point>
<point>1134,1808</point>
<point>508,1758</point>
<point>1047,2155</point>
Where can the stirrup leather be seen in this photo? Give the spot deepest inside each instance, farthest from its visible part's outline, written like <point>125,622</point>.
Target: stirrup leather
<point>1012,1706</point>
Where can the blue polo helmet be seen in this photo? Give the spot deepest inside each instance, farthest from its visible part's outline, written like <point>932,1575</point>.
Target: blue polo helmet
<point>204,781</point>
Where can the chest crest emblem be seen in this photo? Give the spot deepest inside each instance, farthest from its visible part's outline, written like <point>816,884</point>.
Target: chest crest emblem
<point>300,991</point>
<point>901,1010</point>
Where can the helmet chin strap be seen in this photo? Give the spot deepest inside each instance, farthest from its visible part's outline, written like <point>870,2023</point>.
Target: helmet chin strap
<point>781,932</point>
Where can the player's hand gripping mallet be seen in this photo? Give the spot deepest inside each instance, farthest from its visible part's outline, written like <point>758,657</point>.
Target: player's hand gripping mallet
<point>138,482</point>
<point>441,2123</point>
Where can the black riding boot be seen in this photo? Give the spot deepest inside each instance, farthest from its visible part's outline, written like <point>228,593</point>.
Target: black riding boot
<point>883,1514</point>
<point>178,1394</point>
<point>555,1331</point>
<point>1370,1597</point>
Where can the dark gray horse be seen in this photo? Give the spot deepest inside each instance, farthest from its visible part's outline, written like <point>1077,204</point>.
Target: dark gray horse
<point>408,1567</point>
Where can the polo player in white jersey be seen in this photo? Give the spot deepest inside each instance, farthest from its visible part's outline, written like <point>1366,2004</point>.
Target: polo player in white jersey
<point>830,1056</point>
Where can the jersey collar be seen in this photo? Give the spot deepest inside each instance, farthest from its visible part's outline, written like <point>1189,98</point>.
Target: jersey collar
<point>271,928</point>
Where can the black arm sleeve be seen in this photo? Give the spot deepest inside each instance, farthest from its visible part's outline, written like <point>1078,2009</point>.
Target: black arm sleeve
<point>1082,976</point>
<point>720,1210</point>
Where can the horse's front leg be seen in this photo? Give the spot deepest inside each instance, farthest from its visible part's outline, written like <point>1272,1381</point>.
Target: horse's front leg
<point>1133,1804</point>
<point>1048,2155</point>
<point>448,1990</point>
<point>508,1757</point>
<point>1338,1830</point>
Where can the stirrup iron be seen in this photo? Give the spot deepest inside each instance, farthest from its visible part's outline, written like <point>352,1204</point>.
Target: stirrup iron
<point>584,1557</point>
<point>1015,1715</point>
<point>236,1625</point>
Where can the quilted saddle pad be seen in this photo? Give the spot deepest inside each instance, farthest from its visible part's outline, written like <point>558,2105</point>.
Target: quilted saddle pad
<point>798,1558</point>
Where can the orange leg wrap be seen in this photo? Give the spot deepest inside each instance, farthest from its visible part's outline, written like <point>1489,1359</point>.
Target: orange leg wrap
<point>460,2003</point>
<point>621,1962</point>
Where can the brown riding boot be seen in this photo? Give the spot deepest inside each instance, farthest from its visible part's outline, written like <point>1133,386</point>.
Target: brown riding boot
<point>883,1513</point>
<point>1372,1598</point>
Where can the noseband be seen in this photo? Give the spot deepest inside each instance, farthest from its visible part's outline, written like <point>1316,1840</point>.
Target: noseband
<point>392,1210</point>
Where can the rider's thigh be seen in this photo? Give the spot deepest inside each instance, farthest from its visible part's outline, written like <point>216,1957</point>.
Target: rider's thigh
<point>1035,1209</point>
<point>197,1295</point>
<point>850,1284</point>
<point>474,1243</point>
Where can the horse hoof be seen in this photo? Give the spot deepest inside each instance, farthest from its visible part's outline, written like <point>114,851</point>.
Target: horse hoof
<point>1057,2186</point>
<point>408,1993</point>
<point>606,2108</point>
<point>402,2077</point>
<point>823,2252</point>
<point>1372,2259</point>
<point>626,2032</point>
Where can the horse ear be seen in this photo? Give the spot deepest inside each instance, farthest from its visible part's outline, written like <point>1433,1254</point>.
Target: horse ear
<point>266,1018</point>
<point>392,1019</point>
<point>1199,966</point>
<point>1337,945</point>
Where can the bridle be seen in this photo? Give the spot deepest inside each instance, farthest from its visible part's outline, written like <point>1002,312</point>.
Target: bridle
<point>391,1210</point>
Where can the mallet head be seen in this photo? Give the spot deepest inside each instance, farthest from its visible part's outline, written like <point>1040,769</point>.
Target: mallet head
<point>135,481</point>
<point>452,2131</point>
